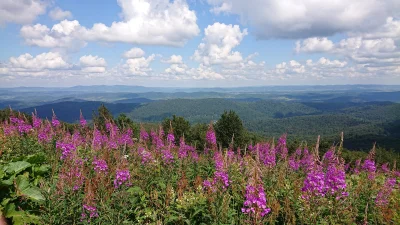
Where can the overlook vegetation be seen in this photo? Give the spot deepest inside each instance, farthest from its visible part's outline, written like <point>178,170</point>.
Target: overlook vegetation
<point>113,172</point>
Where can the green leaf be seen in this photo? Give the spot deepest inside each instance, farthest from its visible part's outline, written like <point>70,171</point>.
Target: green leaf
<point>17,167</point>
<point>42,169</point>
<point>135,190</point>
<point>36,158</point>
<point>7,182</point>
<point>22,182</point>
<point>162,185</point>
<point>34,194</point>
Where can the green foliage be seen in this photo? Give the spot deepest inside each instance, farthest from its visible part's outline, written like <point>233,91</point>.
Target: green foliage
<point>102,116</point>
<point>179,125</point>
<point>197,135</point>
<point>230,128</point>
<point>125,122</point>
<point>19,189</point>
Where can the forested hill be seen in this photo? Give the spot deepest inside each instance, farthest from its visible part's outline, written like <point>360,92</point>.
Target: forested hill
<point>362,122</point>
<point>205,110</point>
<point>69,111</point>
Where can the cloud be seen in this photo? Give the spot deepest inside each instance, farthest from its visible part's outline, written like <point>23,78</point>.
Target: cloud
<point>204,73</point>
<point>218,43</point>
<point>21,11</point>
<point>134,53</point>
<point>289,68</point>
<point>174,59</point>
<point>151,22</point>
<point>94,69</point>
<point>138,66</point>
<point>322,69</point>
<point>375,52</point>
<point>391,29</point>
<point>314,44</point>
<point>59,14</point>
<point>92,61</point>
<point>247,69</point>
<point>65,35</point>
<point>308,18</point>
<point>92,64</point>
<point>50,60</point>
<point>176,69</point>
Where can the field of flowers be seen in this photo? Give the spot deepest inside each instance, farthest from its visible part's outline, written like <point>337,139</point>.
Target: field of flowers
<point>53,175</point>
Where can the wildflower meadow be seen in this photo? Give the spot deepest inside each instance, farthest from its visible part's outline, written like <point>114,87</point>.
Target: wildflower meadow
<point>88,175</point>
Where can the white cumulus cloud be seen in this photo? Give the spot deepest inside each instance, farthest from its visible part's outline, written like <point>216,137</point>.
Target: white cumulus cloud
<point>21,11</point>
<point>139,66</point>
<point>174,59</point>
<point>92,64</point>
<point>308,18</point>
<point>314,44</point>
<point>152,22</point>
<point>66,35</point>
<point>218,43</point>
<point>92,61</point>
<point>50,60</point>
<point>134,53</point>
<point>59,14</point>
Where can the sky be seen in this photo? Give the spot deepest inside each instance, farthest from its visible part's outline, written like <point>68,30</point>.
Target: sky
<point>199,43</point>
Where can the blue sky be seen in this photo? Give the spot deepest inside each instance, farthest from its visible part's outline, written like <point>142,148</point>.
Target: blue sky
<point>205,43</point>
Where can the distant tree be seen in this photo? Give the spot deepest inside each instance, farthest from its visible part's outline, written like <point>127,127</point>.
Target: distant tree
<point>230,126</point>
<point>102,116</point>
<point>125,122</point>
<point>197,135</point>
<point>179,125</point>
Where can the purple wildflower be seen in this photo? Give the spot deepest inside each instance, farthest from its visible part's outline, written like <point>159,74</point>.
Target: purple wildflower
<point>82,121</point>
<point>55,122</point>
<point>210,136</point>
<point>207,185</point>
<point>66,148</point>
<point>147,157</point>
<point>170,138</point>
<point>335,179</point>
<point>256,202</point>
<point>314,184</point>
<point>92,210</point>
<point>293,163</point>
<point>144,135</point>
<point>281,148</point>
<point>122,176</point>
<point>167,156</point>
<point>385,168</point>
<point>223,177</point>
<point>100,165</point>
<point>369,166</point>
<point>382,199</point>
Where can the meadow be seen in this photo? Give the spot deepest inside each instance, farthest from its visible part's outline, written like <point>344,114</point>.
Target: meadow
<point>102,174</point>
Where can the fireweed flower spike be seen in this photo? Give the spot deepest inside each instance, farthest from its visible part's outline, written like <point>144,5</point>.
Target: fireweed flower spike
<point>82,120</point>
<point>100,166</point>
<point>36,122</point>
<point>211,139</point>
<point>170,138</point>
<point>143,134</point>
<point>382,199</point>
<point>255,201</point>
<point>121,177</point>
<point>54,121</point>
